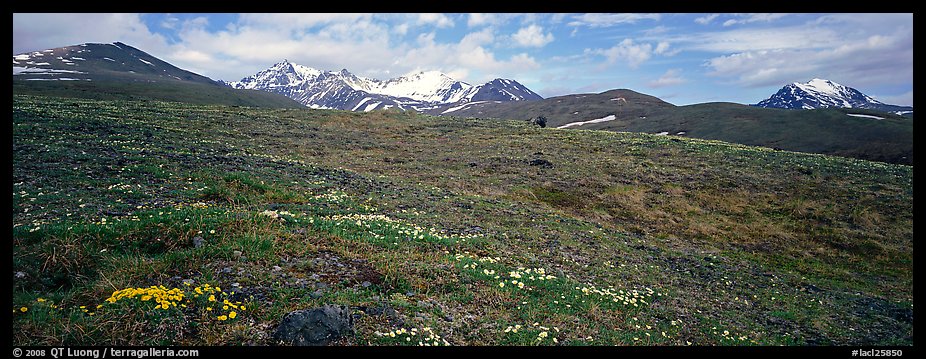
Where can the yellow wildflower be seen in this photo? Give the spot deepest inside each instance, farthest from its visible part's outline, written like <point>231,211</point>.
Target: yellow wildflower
<point>222,317</point>
<point>232,315</point>
<point>23,309</point>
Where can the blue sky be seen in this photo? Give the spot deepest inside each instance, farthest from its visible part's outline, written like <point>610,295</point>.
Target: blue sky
<point>681,58</point>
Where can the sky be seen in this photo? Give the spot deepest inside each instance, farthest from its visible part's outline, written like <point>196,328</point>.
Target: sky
<point>682,58</point>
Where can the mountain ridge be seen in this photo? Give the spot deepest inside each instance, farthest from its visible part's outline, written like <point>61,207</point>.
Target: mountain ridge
<point>420,91</point>
<point>820,93</point>
<point>120,71</point>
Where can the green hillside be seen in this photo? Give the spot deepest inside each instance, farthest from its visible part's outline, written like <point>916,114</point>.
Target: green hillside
<point>825,131</point>
<point>166,90</point>
<point>150,223</point>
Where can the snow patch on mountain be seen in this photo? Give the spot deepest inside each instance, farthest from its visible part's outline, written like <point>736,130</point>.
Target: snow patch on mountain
<point>865,116</point>
<point>597,120</point>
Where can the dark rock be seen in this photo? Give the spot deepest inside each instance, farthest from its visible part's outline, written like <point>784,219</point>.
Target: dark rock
<point>539,121</point>
<point>198,241</point>
<point>314,327</point>
<point>541,162</point>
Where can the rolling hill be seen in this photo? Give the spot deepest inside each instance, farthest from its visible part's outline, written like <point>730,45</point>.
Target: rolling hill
<point>858,133</point>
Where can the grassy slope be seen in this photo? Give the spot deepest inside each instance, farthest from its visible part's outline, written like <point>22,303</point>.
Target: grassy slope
<point>648,240</point>
<point>827,131</point>
<point>125,88</point>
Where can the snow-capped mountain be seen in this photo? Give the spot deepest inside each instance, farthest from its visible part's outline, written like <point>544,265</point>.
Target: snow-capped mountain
<point>819,93</point>
<point>93,62</point>
<point>345,91</point>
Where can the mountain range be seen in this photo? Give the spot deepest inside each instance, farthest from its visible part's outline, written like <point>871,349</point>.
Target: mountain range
<point>820,93</point>
<point>342,90</point>
<point>833,119</point>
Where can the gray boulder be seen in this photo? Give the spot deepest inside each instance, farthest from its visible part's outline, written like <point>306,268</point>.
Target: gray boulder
<point>314,327</point>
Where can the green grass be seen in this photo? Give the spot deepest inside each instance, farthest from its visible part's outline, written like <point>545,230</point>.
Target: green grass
<point>408,219</point>
<point>117,88</point>
<point>826,131</point>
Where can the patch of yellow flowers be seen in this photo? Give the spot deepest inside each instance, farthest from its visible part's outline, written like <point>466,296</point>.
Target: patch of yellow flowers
<point>164,299</point>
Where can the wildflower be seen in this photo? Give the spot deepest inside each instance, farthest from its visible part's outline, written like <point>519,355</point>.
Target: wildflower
<point>222,318</point>
<point>232,315</point>
<point>211,298</point>
<point>23,309</point>
<point>501,284</point>
<point>40,300</point>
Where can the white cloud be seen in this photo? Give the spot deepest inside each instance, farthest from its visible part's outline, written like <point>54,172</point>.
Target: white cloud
<point>750,39</point>
<point>479,19</point>
<point>532,36</point>
<point>704,20</point>
<point>661,48</point>
<point>400,29</point>
<point>877,59</point>
<point>44,31</point>
<point>439,20</point>
<point>170,22</point>
<point>607,20</point>
<point>904,99</point>
<point>469,53</point>
<point>626,51</point>
<point>495,19</point>
<point>749,18</point>
<point>671,77</point>
<point>293,21</point>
